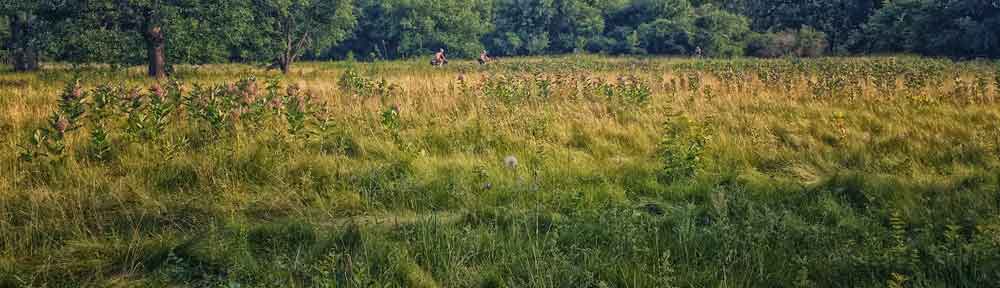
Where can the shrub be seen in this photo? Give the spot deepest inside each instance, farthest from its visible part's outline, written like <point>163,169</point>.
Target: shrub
<point>805,42</point>
<point>810,42</point>
<point>681,149</point>
<point>353,83</point>
<point>665,37</point>
<point>771,45</point>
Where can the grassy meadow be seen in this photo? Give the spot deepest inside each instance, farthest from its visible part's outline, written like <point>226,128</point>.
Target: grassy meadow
<point>571,171</point>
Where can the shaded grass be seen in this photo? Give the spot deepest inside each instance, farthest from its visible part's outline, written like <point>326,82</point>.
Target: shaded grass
<point>791,188</point>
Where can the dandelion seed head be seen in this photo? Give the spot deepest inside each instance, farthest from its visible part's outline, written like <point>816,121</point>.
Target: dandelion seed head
<point>510,161</point>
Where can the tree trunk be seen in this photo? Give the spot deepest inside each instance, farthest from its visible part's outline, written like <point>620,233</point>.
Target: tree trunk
<point>285,64</point>
<point>23,57</point>
<point>155,46</point>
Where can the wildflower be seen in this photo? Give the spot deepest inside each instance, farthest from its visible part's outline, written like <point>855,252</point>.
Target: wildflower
<point>301,103</point>
<point>157,90</point>
<point>293,90</point>
<point>247,97</point>
<point>510,161</point>
<point>275,102</point>
<point>251,89</point>
<point>77,92</point>
<point>132,94</point>
<point>61,124</point>
<point>231,88</point>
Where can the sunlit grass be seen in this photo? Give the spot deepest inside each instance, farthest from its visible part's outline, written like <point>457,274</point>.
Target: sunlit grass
<point>630,172</point>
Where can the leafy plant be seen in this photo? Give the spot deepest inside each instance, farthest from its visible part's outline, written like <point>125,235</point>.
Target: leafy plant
<point>353,83</point>
<point>296,104</point>
<point>629,89</point>
<point>49,142</point>
<point>681,149</point>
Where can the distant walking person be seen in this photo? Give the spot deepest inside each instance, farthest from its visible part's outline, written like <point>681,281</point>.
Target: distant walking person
<point>439,58</point>
<point>484,58</point>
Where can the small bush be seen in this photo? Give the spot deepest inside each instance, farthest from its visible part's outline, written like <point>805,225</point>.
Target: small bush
<point>810,42</point>
<point>771,45</point>
<point>353,83</point>
<point>805,42</point>
<point>681,149</point>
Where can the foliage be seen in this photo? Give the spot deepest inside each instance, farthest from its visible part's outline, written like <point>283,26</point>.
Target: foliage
<point>353,83</point>
<point>806,42</point>
<point>113,31</point>
<point>281,32</point>
<point>954,28</point>
<point>681,149</point>
<point>287,29</point>
<point>833,172</point>
<point>720,33</point>
<point>404,29</point>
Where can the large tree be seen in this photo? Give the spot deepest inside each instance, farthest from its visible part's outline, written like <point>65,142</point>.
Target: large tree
<point>838,19</point>
<point>154,32</point>
<point>26,24</point>
<point>390,29</point>
<point>641,25</point>
<point>290,28</point>
<point>958,28</point>
<point>575,24</point>
<point>720,33</point>
<point>199,30</point>
<point>22,43</point>
<point>522,27</point>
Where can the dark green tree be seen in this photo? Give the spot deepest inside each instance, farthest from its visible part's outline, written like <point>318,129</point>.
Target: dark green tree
<point>720,33</point>
<point>287,29</point>
<point>406,28</point>
<point>838,19</point>
<point>575,24</point>
<point>25,30</point>
<point>664,36</point>
<point>522,27</point>
<point>154,32</point>
<point>639,27</point>
<point>966,28</point>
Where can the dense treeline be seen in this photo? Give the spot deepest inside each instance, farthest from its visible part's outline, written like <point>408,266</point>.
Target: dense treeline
<point>161,32</point>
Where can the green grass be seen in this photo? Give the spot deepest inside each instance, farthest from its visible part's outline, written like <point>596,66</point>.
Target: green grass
<point>631,172</point>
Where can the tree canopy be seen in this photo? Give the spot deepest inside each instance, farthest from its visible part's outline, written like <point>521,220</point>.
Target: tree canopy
<point>164,32</point>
